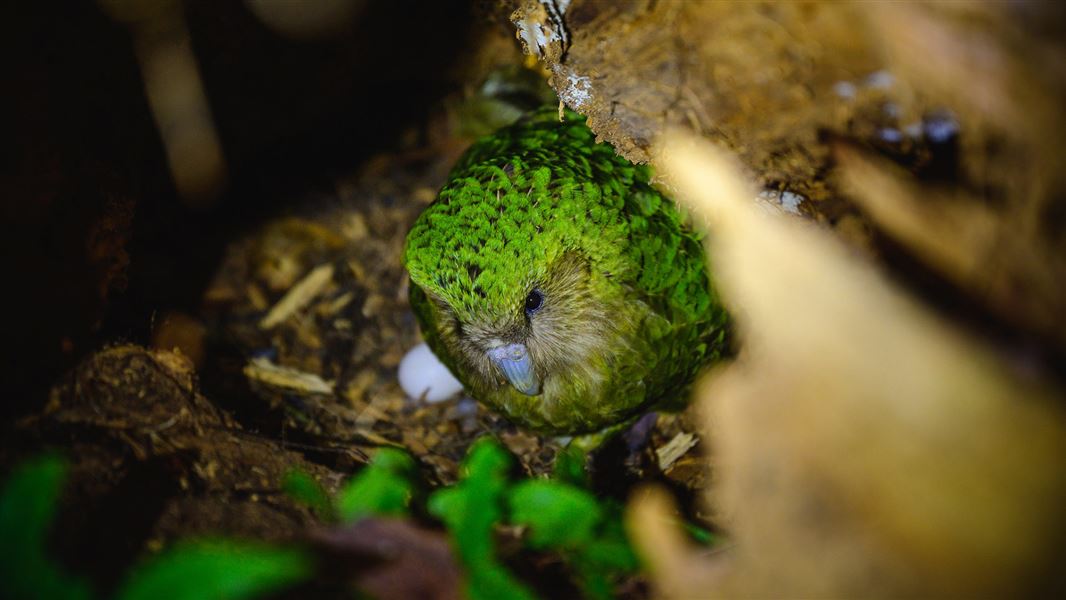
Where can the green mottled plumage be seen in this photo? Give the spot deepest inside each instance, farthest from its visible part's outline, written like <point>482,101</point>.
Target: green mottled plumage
<point>629,315</point>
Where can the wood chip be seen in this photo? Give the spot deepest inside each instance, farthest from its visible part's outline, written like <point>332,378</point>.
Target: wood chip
<point>338,304</point>
<point>299,296</point>
<point>675,449</point>
<point>270,374</point>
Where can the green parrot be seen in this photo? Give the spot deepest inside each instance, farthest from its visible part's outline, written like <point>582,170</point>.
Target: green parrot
<point>558,285</point>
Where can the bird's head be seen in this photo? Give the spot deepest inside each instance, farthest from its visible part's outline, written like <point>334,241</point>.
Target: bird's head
<point>519,295</point>
<point>543,323</point>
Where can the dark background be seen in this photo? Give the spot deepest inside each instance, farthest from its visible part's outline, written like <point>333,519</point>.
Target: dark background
<point>95,239</point>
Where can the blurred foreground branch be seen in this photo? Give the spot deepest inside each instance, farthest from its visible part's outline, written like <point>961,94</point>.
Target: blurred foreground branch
<point>865,446</point>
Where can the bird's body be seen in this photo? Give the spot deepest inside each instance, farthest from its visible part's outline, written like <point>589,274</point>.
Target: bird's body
<point>558,285</point>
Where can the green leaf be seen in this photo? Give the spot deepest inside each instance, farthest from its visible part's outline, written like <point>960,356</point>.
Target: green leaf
<point>700,535</point>
<point>492,581</point>
<point>587,532</point>
<point>615,555</point>
<point>302,487</point>
<point>558,515</point>
<point>470,510</point>
<point>384,487</point>
<point>393,460</point>
<point>27,507</point>
<point>570,466</point>
<point>594,582</point>
<point>472,507</point>
<point>601,562</point>
<point>221,570</point>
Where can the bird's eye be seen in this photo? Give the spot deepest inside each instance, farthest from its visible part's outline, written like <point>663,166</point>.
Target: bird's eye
<point>534,301</point>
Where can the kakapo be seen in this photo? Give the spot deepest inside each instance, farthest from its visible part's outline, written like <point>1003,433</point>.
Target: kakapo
<point>558,285</point>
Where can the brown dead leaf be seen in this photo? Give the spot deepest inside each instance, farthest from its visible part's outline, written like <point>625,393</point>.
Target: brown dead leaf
<point>864,446</point>
<point>392,560</point>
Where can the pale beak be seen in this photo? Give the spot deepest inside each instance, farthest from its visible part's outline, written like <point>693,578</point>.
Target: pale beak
<point>514,362</point>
